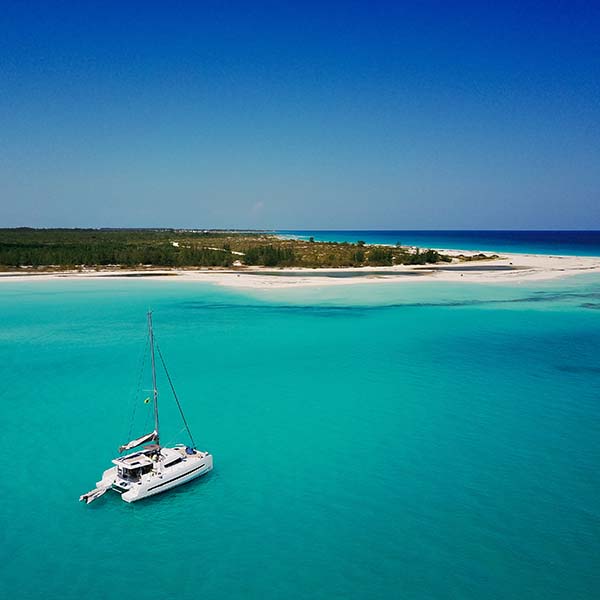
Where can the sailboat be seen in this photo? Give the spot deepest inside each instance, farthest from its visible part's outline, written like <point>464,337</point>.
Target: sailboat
<point>154,468</point>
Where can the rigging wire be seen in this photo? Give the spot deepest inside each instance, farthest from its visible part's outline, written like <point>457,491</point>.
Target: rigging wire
<point>142,363</point>
<point>174,439</point>
<point>162,360</point>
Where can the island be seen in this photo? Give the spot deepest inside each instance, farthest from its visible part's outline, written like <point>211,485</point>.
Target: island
<point>257,258</point>
<point>58,249</point>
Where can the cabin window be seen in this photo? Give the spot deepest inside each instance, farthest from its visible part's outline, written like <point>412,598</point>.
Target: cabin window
<point>175,462</point>
<point>130,474</point>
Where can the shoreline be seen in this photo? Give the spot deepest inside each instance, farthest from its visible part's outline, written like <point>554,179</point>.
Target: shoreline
<point>508,268</point>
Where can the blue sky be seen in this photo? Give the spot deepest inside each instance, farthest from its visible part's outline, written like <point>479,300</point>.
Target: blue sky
<point>383,115</point>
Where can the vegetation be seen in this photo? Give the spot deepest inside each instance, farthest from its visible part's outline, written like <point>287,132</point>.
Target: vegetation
<point>270,256</point>
<point>139,248</point>
<point>473,257</point>
<point>90,247</point>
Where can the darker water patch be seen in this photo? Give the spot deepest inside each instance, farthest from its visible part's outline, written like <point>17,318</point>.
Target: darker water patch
<point>563,295</point>
<point>583,369</point>
<point>475,268</point>
<point>335,274</point>
<point>303,309</point>
<point>344,310</point>
<point>140,275</point>
<point>416,272</point>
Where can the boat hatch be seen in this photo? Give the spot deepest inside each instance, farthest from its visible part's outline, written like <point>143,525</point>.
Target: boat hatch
<point>133,461</point>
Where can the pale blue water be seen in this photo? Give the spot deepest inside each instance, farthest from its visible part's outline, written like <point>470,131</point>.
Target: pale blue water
<point>411,440</point>
<point>573,243</point>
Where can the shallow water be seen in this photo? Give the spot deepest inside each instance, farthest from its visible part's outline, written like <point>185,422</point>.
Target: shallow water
<point>413,440</point>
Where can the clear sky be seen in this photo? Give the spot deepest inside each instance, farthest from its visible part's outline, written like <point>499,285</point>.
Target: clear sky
<point>288,115</point>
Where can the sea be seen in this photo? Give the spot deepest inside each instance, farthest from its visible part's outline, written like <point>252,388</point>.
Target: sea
<point>414,440</point>
<point>570,243</point>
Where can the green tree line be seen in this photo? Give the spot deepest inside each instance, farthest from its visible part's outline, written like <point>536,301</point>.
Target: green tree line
<point>69,248</point>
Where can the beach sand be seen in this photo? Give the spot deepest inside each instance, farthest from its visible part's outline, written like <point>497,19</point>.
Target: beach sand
<point>508,268</point>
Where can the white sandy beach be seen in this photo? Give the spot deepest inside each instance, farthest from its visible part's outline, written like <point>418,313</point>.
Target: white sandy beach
<point>509,268</point>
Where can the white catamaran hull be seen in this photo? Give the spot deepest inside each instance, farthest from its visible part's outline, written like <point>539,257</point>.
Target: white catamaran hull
<point>160,480</point>
<point>155,468</point>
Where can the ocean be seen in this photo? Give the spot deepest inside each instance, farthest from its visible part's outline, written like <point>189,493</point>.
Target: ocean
<point>415,440</point>
<point>572,243</point>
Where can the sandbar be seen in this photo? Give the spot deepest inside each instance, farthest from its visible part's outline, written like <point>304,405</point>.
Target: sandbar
<point>508,268</point>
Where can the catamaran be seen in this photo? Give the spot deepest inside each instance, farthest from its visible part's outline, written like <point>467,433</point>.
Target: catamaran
<point>154,468</point>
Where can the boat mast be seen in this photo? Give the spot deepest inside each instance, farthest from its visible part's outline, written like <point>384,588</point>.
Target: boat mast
<point>154,388</point>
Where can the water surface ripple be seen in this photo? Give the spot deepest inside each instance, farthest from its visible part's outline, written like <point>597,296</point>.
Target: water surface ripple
<point>383,441</point>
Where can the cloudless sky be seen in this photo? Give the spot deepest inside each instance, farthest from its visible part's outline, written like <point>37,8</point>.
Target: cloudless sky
<point>385,115</point>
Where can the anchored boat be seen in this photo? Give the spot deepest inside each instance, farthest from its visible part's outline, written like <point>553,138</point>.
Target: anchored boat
<point>154,468</point>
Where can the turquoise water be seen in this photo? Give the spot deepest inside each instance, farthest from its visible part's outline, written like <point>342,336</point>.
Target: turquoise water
<point>410,440</point>
<point>572,242</point>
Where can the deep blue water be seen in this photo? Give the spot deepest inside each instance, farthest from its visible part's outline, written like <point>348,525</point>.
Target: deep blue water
<point>575,243</point>
<point>399,440</point>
